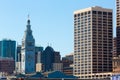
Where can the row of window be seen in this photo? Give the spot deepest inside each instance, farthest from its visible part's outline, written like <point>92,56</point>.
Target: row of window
<point>93,12</point>
<point>87,19</point>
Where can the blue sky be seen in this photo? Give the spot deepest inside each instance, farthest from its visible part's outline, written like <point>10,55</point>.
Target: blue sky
<point>51,20</point>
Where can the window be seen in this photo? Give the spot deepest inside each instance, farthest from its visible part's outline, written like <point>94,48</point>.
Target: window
<point>99,12</point>
<point>94,12</point>
<point>104,13</point>
<point>78,15</point>
<point>109,13</point>
<point>75,15</point>
<point>89,12</point>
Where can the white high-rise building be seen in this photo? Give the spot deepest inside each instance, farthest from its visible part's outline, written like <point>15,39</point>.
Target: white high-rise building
<point>93,33</point>
<point>118,26</point>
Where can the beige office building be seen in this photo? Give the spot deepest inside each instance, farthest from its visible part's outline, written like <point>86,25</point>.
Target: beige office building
<point>93,43</point>
<point>118,26</point>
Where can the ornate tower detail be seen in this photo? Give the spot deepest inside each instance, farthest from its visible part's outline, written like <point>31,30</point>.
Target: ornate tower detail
<point>28,51</point>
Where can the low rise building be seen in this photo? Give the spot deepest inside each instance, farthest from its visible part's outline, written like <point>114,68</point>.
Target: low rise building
<point>7,65</point>
<point>68,70</point>
<point>116,64</point>
<point>57,66</point>
<point>39,67</point>
<point>68,64</point>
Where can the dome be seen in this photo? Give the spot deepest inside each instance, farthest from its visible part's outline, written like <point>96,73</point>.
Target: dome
<point>48,48</point>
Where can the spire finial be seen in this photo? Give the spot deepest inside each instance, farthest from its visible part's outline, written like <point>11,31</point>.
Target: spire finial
<point>28,17</point>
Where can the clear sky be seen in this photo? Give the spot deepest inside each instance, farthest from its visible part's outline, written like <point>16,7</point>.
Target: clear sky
<point>51,20</point>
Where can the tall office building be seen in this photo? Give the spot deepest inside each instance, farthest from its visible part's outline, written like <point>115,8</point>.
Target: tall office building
<point>7,48</point>
<point>93,42</point>
<point>28,51</point>
<point>50,60</point>
<point>118,25</point>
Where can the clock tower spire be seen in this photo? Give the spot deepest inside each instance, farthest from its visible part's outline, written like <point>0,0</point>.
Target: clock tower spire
<point>28,51</point>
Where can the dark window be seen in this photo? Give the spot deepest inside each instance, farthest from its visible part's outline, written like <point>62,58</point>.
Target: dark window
<point>99,12</point>
<point>94,12</point>
<point>109,13</point>
<point>75,15</point>
<point>85,13</point>
<point>78,15</point>
<point>89,12</point>
<point>104,13</point>
<point>81,14</point>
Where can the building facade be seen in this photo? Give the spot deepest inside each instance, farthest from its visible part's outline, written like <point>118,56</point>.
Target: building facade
<point>114,47</point>
<point>67,61</point>
<point>57,67</point>
<point>50,60</point>
<point>39,67</point>
<point>18,54</point>
<point>8,48</point>
<point>118,26</point>
<point>47,59</point>
<point>68,57</point>
<point>92,42</point>
<point>28,51</point>
<point>68,70</point>
<point>116,64</point>
<point>38,51</point>
<point>7,65</point>
<point>57,57</point>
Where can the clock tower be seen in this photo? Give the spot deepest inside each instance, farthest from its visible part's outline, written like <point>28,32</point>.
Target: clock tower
<point>28,51</point>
